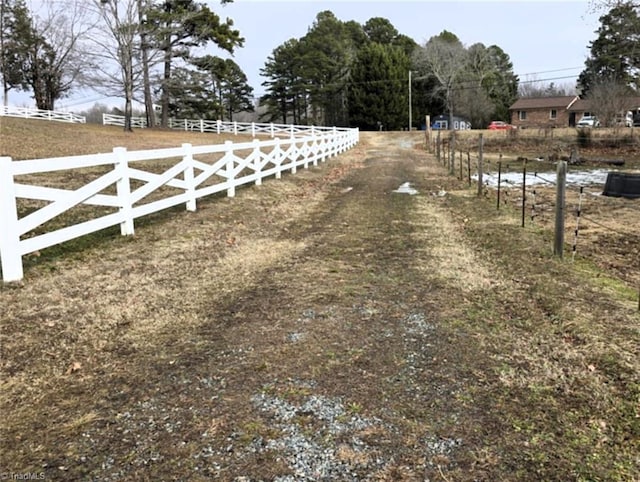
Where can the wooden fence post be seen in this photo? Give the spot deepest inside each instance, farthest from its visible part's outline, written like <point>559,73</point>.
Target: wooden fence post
<point>189,178</point>
<point>480,162</point>
<point>10,256</point>
<point>123,188</point>
<point>558,244</point>
<point>452,152</point>
<point>438,146</point>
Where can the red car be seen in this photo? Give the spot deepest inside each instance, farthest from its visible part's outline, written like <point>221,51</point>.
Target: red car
<point>500,126</point>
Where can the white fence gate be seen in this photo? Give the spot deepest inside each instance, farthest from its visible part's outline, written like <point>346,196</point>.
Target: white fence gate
<point>199,171</point>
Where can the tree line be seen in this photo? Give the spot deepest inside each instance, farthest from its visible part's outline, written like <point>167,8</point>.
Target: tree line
<point>339,73</point>
<point>347,74</point>
<point>136,49</point>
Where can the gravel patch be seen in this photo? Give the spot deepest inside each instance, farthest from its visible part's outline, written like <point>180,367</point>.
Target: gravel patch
<point>310,430</point>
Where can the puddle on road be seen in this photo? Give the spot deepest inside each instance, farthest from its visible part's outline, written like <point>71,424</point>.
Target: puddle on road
<point>406,188</point>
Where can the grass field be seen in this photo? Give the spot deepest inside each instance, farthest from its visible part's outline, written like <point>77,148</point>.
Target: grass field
<point>319,326</point>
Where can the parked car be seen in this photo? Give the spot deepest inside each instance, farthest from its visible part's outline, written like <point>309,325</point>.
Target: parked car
<point>588,121</point>
<point>500,126</point>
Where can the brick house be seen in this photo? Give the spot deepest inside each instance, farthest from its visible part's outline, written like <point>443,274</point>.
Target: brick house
<point>565,111</point>
<point>544,112</point>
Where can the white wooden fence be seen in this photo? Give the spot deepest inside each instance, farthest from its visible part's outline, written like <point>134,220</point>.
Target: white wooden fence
<point>220,127</point>
<point>194,172</point>
<point>27,113</point>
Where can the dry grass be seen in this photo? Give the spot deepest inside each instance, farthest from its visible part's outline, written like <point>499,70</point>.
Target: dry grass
<point>476,356</point>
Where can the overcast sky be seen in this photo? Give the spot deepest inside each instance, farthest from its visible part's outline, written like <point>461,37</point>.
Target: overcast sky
<point>544,39</point>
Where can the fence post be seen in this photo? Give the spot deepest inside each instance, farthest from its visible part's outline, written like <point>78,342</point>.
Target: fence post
<point>334,143</point>
<point>499,180</point>
<point>558,245</point>
<point>294,154</point>
<point>185,125</point>
<point>277,156</point>
<point>315,148</point>
<point>228,153</point>
<point>452,153</point>
<point>10,256</point>
<point>235,128</point>
<point>123,189</point>
<point>253,129</point>
<point>189,178</point>
<point>524,189</point>
<point>256,161</point>
<point>201,126</point>
<point>273,133</point>
<point>218,123</point>
<point>438,147</point>
<point>480,162</point>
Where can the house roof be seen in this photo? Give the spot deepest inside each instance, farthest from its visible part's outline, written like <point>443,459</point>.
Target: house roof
<point>561,102</point>
<point>580,105</point>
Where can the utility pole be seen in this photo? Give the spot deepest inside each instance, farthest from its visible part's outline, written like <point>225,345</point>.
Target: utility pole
<point>410,101</point>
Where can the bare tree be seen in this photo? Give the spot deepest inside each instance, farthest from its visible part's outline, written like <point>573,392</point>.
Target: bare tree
<point>608,98</point>
<point>115,64</point>
<point>446,60</point>
<point>64,27</point>
<point>534,87</point>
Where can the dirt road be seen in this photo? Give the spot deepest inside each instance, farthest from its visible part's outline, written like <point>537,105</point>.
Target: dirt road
<point>322,327</point>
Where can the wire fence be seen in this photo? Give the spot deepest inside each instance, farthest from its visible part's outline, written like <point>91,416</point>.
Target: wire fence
<point>600,229</point>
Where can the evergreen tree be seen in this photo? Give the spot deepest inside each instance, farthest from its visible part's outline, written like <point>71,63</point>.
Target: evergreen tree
<point>180,25</point>
<point>615,53</point>
<point>16,32</point>
<point>328,50</point>
<point>378,93</point>
<point>287,87</point>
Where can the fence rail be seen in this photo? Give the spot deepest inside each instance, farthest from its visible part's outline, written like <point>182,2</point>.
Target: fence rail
<point>124,190</point>
<point>27,113</point>
<point>221,127</point>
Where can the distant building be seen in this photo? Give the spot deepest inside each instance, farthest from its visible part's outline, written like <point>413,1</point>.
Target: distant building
<point>561,111</point>
<point>445,123</point>
<point>544,112</point>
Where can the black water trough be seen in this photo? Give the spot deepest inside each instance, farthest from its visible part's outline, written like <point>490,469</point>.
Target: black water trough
<point>622,184</point>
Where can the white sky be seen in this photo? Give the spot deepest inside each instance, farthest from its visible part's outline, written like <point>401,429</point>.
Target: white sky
<point>546,38</point>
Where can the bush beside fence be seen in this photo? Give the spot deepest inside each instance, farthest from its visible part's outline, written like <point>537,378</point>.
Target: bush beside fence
<point>200,171</point>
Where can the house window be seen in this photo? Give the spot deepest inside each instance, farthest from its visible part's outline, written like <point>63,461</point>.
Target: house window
<point>553,114</point>
<point>522,115</point>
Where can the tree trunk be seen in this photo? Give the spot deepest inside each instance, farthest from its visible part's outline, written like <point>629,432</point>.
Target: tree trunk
<point>148,100</point>
<point>128,93</point>
<point>165,84</point>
